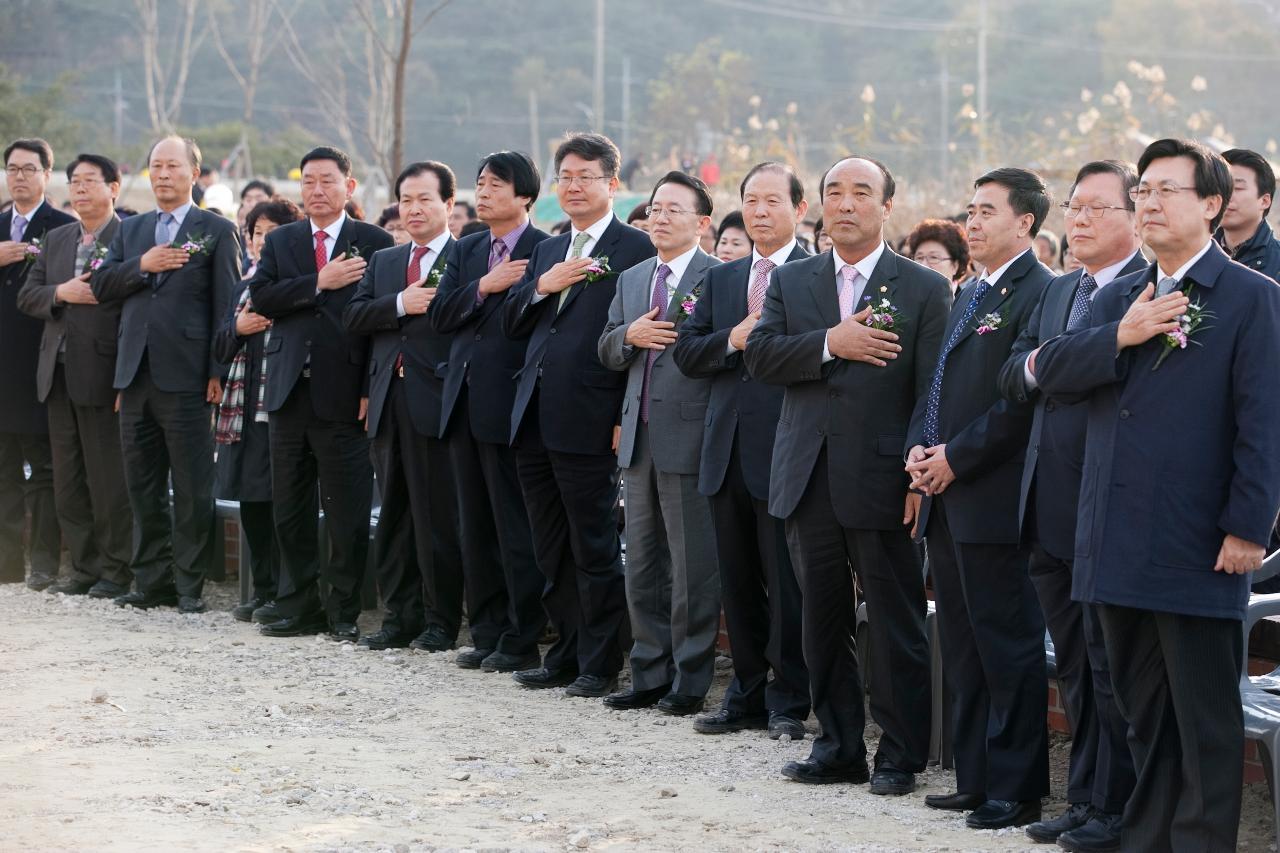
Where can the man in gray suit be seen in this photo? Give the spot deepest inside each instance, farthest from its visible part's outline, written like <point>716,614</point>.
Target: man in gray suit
<point>74,379</point>
<point>673,587</point>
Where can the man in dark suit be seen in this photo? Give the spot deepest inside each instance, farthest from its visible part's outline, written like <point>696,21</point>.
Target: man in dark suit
<point>1180,492</point>
<point>673,589</point>
<point>504,586</point>
<point>966,449</point>
<point>74,379</point>
<point>818,337</point>
<point>175,270</point>
<point>564,421</point>
<point>417,547</point>
<point>317,395</point>
<point>24,427</point>
<point>1104,238</point>
<point>760,595</point>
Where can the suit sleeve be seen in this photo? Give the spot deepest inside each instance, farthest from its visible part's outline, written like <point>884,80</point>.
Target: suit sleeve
<point>700,351</point>
<point>36,298</point>
<point>1013,379</point>
<point>118,277</point>
<point>366,313</point>
<point>456,300</point>
<point>1070,366</point>
<point>773,356</point>
<point>274,296</point>
<point>226,284</point>
<point>226,341</point>
<point>520,313</point>
<point>615,353</point>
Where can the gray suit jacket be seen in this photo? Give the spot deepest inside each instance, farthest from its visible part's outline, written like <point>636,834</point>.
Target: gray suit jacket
<point>677,404</point>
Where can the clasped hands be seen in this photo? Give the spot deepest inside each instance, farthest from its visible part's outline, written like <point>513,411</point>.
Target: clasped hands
<point>929,469</point>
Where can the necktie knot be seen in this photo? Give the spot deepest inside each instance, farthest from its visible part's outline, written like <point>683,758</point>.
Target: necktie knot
<point>1166,285</point>
<point>321,237</point>
<point>87,238</point>
<point>580,243</point>
<point>759,284</point>
<point>419,251</point>
<point>846,296</point>
<point>850,273</point>
<point>764,266</point>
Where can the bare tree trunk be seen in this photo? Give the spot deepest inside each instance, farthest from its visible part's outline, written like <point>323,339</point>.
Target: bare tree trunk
<point>164,101</point>
<point>397,92</point>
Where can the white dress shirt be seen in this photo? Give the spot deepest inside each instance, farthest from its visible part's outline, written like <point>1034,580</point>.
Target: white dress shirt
<point>594,231</point>
<point>1182,270</point>
<point>434,247</point>
<point>865,267</point>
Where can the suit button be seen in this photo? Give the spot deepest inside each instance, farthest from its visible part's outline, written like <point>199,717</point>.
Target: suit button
<point>746,378</point>
<point>478,337</point>
<point>153,296</point>
<point>1124,413</point>
<point>835,393</point>
<point>819,432</point>
<point>404,337</point>
<point>1049,406</point>
<point>318,314</point>
<point>307,342</point>
<point>553,330</point>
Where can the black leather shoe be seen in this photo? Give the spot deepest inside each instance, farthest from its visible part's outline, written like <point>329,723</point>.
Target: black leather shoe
<point>679,705</point>
<point>148,600</point>
<point>956,802</point>
<point>107,589</point>
<point>40,583</point>
<point>1047,831</point>
<point>542,678</point>
<point>434,639</point>
<point>344,632</point>
<point>73,588</point>
<point>244,612</point>
<point>891,782</point>
<point>997,814</point>
<point>267,613</point>
<point>472,658</point>
<point>503,662</point>
<point>781,724</point>
<point>591,686</point>
<point>631,700</point>
<point>1101,833</point>
<point>385,638</point>
<point>191,604</point>
<point>725,721</point>
<point>297,626</point>
<point>816,773</point>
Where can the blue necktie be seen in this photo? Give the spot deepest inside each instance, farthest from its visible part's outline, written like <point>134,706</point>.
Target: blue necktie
<point>931,436</point>
<point>163,235</point>
<point>1082,305</point>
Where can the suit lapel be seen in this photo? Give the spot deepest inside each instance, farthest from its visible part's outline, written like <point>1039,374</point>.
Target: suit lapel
<point>1065,297</point>
<point>604,246</point>
<point>188,227</point>
<point>62,256</point>
<point>823,288</point>
<point>883,283</point>
<point>394,273</point>
<point>999,292</point>
<point>693,274</point>
<point>639,294</point>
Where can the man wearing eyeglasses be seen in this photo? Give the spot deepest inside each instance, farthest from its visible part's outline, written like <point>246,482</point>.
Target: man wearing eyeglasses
<point>24,426</point>
<point>1181,488</point>
<point>564,422</point>
<point>673,591</point>
<point>1103,233</point>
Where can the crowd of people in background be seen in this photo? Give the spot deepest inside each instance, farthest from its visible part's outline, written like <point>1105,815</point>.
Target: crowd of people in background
<point>1081,434</point>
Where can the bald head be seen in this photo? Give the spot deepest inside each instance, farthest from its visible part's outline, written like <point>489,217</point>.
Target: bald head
<point>174,165</point>
<point>857,197</point>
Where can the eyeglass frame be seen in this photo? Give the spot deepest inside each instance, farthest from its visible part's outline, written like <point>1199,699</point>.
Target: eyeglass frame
<point>933,259</point>
<point>583,181</point>
<point>30,170</point>
<point>1165,192</point>
<point>1096,211</point>
<point>651,211</point>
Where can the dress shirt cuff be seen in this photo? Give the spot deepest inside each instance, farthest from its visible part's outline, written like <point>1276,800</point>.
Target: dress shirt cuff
<point>728,348</point>
<point>826,353</point>
<point>400,312</point>
<point>1028,376</point>
<point>537,297</point>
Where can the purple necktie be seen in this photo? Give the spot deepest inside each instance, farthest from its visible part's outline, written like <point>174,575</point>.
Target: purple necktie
<point>658,300</point>
<point>18,227</point>
<point>497,254</point>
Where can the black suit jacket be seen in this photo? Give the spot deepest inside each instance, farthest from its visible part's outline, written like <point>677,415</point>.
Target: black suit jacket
<point>480,355</point>
<point>89,331</point>
<point>739,405</point>
<point>861,411</point>
<point>985,434</point>
<point>20,334</point>
<point>307,322</point>
<point>1055,448</point>
<point>372,311</point>
<point>579,398</point>
<point>171,317</point>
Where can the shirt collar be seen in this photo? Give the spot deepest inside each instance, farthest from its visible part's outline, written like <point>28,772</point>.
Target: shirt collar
<point>97,232</point>
<point>992,277</point>
<point>1182,270</point>
<point>1106,275</point>
<point>333,229</point>
<point>511,237</point>
<point>865,267</point>
<point>677,265</point>
<point>778,258</point>
<point>32,213</point>
<point>595,229</point>
<point>179,214</point>
<point>435,244</point>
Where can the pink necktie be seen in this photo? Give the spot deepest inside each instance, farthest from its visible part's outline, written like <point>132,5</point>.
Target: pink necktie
<point>759,284</point>
<point>849,278</point>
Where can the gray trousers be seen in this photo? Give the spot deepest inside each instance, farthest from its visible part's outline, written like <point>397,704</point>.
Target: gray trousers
<point>673,582</point>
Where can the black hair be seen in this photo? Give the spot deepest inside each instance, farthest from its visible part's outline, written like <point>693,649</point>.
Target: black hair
<point>1027,192</point>
<point>640,211</point>
<point>703,204</point>
<point>795,185</point>
<point>595,147</point>
<point>1124,171</point>
<point>448,183</point>
<point>515,168</point>
<point>390,212</point>
<point>733,219</point>
<point>1212,177</point>
<point>890,186</point>
<point>110,171</point>
<point>206,171</point>
<point>1263,175</point>
<point>467,207</point>
<point>473,227</point>
<point>188,144</point>
<point>257,185</point>
<point>36,146</point>
<point>277,209</point>
<point>326,152</point>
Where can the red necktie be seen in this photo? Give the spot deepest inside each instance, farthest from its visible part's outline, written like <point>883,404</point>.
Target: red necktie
<point>322,253</point>
<point>411,278</point>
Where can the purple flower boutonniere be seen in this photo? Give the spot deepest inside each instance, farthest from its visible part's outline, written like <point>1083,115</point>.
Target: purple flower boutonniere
<point>194,244</point>
<point>97,255</point>
<point>599,269</point>
<point>988,323</point>
<point>1189,324</point>
<point>34,250</point>
<point>688,303</point>
<point>885,316</point>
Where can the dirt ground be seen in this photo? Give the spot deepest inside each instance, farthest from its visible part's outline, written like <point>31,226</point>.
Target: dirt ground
<point>156,731</point>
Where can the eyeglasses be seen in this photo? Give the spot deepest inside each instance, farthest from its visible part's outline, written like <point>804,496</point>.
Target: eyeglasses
<point>583,181</point>
<point>1090,211</point>
<point>30,170</point>
<point>1142,192</point>
<point>669,212</point>
<point>77,183</point>
<point>932,259</point>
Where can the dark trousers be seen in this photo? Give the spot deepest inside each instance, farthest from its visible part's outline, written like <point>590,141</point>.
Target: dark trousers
<point>1101,768</point>
<point>168,435</point>
<point>305,449</point>
<point>571,499</point>
<point>20,494</point>
<point>417,546</point>
<point>992,634</point>
<point>761,600</point>
<point>887,564</point>
<point>89,487</point>
<point>1177,684</point>
<point>503,584</point>
<point>259,526</point>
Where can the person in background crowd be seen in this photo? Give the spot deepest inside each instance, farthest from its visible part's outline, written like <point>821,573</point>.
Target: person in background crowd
<point>807,236</point>
<point>1070,263</point>
<point>710,171</point>
<point>475,226</point>
<point>354,209</point>
<point>940,245</point>
<point>637,218</point>
<point>24,422</point>
<point>463,212</point>
<point>1048,247</point>
<point>821,239</point>
<point>243,467</point>
<point>630,169</point>
<point>707,237</point>
<point>389,220</point>
<point>254,193</point>
<point>74,379</point>
<point>1245,234</point>
<point>732,241</point>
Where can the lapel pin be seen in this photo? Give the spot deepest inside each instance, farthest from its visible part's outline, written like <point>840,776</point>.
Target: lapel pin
<point>1003,291</point>
<point>884,288</point>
